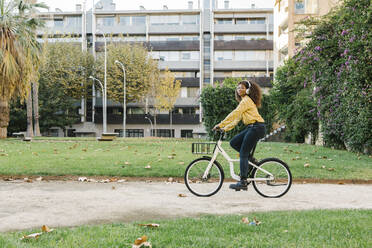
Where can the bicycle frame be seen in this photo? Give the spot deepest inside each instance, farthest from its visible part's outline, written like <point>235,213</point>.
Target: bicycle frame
<point>219,150</point>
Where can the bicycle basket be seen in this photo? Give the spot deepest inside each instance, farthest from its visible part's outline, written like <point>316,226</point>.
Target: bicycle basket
<point>203,148</point>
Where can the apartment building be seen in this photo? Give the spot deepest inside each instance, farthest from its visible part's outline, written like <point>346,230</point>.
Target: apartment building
<point>287,13</point>
<point>202,45</point>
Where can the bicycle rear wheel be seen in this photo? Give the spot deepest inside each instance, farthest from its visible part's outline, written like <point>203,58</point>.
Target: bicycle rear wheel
<point>275,185</point>
<point>200,186</point>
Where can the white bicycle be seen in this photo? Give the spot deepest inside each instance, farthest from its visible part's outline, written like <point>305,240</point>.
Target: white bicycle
<point>204,176</point>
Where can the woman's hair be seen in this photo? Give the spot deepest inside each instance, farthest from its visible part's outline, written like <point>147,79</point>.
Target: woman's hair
<point>254,92</point>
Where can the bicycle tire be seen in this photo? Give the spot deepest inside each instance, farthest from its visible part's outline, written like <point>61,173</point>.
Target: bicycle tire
<point>282,177</point>
<point>190,177</point>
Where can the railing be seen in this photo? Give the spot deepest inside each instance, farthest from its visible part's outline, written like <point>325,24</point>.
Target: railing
<point>140,119</point>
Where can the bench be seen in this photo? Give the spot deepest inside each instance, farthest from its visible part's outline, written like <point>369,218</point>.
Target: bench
<point>107,137</point>
<point>22,135</point>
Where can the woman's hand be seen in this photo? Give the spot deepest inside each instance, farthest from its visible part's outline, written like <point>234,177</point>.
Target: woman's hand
<point>216,128</point>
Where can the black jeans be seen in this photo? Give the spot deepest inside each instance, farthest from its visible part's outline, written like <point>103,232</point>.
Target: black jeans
<point>244,143</point>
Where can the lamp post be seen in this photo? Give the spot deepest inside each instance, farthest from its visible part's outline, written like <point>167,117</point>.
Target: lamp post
<point>103,101</point>
<point>105,85</point>
<point>124,101</point>
<point>150,124</point>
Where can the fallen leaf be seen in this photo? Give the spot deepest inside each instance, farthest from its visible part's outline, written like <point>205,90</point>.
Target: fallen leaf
<point>113,179</point>
<point>28,180</point>
<point>285,231</point>
<point>150,225</point>
<point>170,179</point>
<point>31,236</point>
<point>8,179</point>
<point>170,157</point>
<point>245,220</point>
<point>140,240</point>
<point>46,229</point>
<point>105,181</point>
<point>148,166</point>
<point>323,167</point>
<point>84,149</point>
<point>182,195</point>
<point>331,169</point>
<point>113,187</point>
<point>127,163</point>
<point>39,179</point>
<point>4,154</point>
<point>173,154</point>
<point>340,182</point>
<point>91,180</point>
<point>35,153</point>
<point>181,163</point>
<point>121,181</point>
<point>82,179</point>
<point>330,159</point>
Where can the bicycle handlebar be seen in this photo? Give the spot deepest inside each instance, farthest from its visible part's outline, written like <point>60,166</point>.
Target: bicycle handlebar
<point>219,131</point>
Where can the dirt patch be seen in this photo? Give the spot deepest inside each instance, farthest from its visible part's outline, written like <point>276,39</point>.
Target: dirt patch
<point>165,179</point>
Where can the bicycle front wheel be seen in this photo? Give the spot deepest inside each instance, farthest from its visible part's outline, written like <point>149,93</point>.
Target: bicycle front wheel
<point>272,178</point>
<point>198,183</point>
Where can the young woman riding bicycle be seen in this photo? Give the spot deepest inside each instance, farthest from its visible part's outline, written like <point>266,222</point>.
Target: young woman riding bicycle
<point>249,95</point>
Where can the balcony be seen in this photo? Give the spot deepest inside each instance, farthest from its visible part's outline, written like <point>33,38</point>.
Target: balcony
<point>181,45</point>
<point>244,45</point>
<point>140,119</point>
<point>55,30</point>
<point>122,29</point>
<point>242,28</point>
<point>231,65</point>
<point>174,29</point>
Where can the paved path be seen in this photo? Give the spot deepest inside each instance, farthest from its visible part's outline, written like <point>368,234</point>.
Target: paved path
<point>26,205</point>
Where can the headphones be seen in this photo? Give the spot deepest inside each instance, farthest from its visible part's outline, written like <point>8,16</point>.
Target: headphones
<point>249,86</point>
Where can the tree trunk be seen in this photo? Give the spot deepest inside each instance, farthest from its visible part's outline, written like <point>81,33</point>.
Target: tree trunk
<point>35,98</point>
<point>4,117</point>
<point>155,131</point>
<point>170,121</point>
<point>30,132</point>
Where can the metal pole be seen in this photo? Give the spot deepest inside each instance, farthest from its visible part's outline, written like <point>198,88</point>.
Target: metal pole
<point>105,88</point>
<point>124,101</point>
<point>150,124</point>
<point>105,84</point>
<point>100,84</point>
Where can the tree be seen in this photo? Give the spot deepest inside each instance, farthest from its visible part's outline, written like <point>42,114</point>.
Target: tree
<point>19,53</point>
<point>139,68</point>
<point>333,71</point>
<point>167,92</point>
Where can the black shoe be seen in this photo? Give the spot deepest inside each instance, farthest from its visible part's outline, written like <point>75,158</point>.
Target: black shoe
<point>241,185</point>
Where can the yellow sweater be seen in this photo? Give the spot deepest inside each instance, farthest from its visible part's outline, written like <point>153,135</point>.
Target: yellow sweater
<point>246,110</point>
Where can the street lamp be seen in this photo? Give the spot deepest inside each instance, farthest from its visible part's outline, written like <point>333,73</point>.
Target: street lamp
<point>103,101</point>
<point>105,83</point>
<point>150,124</point>
<point>124,103</point>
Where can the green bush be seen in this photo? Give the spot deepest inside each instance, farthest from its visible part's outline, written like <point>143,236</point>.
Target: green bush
<point>334,69</point>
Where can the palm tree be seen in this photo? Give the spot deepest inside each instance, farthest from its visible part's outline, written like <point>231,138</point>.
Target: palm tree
<point>19,53</point>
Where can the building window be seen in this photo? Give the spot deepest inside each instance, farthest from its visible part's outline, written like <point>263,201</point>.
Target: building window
<point>58,23</point>
<point>124,20</point>
<point>192,91</point>
<point>186,133</point>
<point>139,20</point>
<point>73,21</point>
<point>105,21</point>
<point>223,55</point>
<point>165,20</point>
<point>250,55</point>
<point>241,21</point>
<point>224,21</point>
<point>130,132</point>
<point>162,132</point>
<point>258,20</point>
<point>135,111</point>
<point>190,19</point>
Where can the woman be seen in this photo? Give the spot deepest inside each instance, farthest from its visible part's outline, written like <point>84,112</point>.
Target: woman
<point>249,95</point>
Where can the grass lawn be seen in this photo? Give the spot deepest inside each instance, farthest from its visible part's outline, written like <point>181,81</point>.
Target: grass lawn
<point>316,228</point>
<point>167,158</point>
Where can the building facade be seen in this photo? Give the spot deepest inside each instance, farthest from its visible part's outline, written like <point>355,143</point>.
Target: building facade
<point>287,13</point>
<point>201,45</point>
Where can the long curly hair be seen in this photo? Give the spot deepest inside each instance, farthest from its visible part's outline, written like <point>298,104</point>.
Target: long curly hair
<point>255,92</point>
